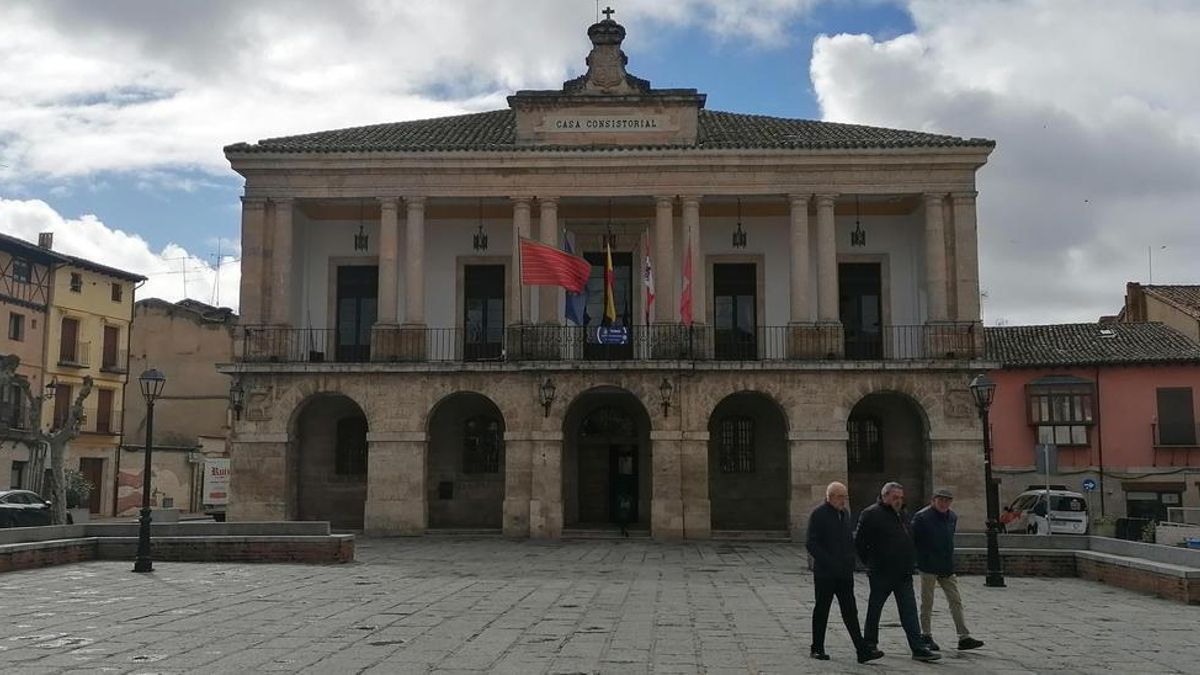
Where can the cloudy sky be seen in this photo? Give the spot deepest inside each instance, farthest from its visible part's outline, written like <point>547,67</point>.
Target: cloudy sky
<point>113,114</point>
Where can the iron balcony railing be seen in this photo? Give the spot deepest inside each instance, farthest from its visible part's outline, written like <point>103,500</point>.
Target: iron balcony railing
<point>633,343</point>
<point>114,362</point>
<point>1182,435</point>
<point>75,354</point>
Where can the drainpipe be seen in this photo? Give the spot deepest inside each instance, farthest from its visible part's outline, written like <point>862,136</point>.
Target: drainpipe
<point>1100,440</point>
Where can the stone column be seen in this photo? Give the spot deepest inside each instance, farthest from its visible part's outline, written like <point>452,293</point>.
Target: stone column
<point>396,495</point>
<point>697,506</point>
<point>519,299</point>
<point>545,501</point>
<point>817,459</point>
<point>935,257</point>
<point>801,308</point>
<point>827,268</point>
<point>548,235</point>
<point>414,263</point>
<point>956,462</point>
<point>966,255</point>
<point>252,285</point>
<point>518,481</point>
<point>666,303</point>
<point>666,494</point>
<point>281,276</point>
<point>258,488</point>
<point>691,228</point>
<point>389,261</point>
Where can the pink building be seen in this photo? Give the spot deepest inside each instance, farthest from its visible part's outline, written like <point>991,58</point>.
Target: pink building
<point>1117,401</point>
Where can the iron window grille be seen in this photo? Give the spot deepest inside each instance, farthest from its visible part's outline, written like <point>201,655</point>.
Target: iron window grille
<point>736,440</point>
<point>481,445</point>
<point>865,445</point>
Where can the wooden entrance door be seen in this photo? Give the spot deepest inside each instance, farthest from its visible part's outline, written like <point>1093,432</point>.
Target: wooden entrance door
<point>92,469</point>
<point>860,287</point>
<point>483,306</point>
<point>357,300</point>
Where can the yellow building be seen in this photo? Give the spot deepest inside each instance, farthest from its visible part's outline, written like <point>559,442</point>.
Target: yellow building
<point>91,309</point>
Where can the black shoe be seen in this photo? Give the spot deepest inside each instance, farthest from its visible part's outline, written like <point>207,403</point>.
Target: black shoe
<point>869,655</point>
<point>930,644</point>
<point>925,655</point>
<point>970,643</point>
<point>818,654</point>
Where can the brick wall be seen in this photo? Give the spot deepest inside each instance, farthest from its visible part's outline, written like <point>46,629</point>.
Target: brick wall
<point>1170,587</point>
<point>1019,563</point>
<point>18,558</point>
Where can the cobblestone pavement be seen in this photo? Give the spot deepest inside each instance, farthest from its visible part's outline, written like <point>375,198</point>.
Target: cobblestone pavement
<point>458,605</point>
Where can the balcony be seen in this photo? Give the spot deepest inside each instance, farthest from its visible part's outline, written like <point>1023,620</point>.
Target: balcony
<point>670,342</point>
<point>14,417</point>
<point>114,362</point>
<point>75,354</point>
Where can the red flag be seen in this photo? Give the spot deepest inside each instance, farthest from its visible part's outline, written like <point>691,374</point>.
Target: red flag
<point>610,307</point>
<point>685,293</point>
<point>648,281</point>
<point>543,265</point>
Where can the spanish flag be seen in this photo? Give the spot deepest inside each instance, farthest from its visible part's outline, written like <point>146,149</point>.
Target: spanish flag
<point>610,307</point>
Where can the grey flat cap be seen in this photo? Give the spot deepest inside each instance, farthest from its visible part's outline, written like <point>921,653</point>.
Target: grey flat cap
<point>943,492</point>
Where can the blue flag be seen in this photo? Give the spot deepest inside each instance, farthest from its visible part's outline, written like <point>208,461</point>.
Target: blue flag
<point>575,310</point>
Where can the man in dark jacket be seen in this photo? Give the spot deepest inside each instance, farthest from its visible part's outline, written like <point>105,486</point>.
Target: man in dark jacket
<point>933,534</point>
<point>831,545</point>
<point>885,545</point>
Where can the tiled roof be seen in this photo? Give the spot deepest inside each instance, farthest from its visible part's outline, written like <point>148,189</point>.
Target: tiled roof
<point>1186,298</point>
<point>1079,344</point>
<point>26,249</point>
<point>104,269</point>
<point>496,131</point>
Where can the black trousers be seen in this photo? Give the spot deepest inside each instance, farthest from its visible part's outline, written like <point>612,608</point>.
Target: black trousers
<point>843,589</point>
<point>901,586</point>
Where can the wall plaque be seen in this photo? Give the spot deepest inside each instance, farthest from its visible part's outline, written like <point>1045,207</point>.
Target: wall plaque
<point>606,123</point>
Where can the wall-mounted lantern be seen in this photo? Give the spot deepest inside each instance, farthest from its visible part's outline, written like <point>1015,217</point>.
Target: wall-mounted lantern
<point>546,395</point>
<point>739,235</point>
<point>665,391</point>
<point>360,239</point>
<point>479,241</point>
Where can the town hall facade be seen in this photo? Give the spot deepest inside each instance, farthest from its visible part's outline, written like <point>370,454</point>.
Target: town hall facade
<point>394,375</point>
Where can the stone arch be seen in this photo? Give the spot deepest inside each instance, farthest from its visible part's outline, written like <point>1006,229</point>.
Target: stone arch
<point>327,460</point>
<point>606,454</point>
<point>749,477</point>
<point>888,440</point>
<point>465,462</point>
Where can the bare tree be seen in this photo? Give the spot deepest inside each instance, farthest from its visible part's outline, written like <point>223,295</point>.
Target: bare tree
<point>39,440</point>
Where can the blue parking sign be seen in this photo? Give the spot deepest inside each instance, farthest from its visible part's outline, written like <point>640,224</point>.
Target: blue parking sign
<point>1089,484</point>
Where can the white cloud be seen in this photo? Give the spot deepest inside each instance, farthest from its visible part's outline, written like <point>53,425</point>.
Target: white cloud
<point>1096,114</point>
<point>173,273</point>
<point>133,85</point>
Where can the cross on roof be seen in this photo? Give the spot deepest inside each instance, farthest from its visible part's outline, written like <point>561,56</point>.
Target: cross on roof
<point>608,12</point>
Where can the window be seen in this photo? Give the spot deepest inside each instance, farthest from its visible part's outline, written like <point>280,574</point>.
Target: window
<point>111,356</point>
<point>22,271</point>
<point>1176,417</point>
<point>12,407</point>
<point>481,445</point>
<point>69,347</point>
<point>866,445</point>
<point>117,292</point>
<point>1060,408</point>
<point>350,455</point>
<point>16,326</point>
<point>62,405</point>
<point>104,411</point>
<point>17,478</point>
<point>735,445</point>
<point>76,282</point>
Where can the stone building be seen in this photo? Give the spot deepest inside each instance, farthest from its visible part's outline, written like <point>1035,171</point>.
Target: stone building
<point>1176,305</point>
<point>183,340</point>
<point>398,377</point>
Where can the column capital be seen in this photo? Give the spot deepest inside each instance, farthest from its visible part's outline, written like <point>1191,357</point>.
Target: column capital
<point>550,200</point>
<point>413,200</point>
<point>521,200</point>
<point>254,202</point>
<point>283,201</point>
<point>934,197</point>
<point>826,198</point>
<point>664,200</point>
<point>964,196</point>
<point>799,198</point>
<point>690,199</point>
<point>389,202</point>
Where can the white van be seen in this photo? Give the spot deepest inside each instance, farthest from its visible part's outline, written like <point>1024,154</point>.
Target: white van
<point>1067,513</point>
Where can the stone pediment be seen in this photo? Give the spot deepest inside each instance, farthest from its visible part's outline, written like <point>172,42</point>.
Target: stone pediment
<point>607,106</point>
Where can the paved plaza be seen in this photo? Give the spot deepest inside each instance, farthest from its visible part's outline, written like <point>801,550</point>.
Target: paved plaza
<point>459,605</point>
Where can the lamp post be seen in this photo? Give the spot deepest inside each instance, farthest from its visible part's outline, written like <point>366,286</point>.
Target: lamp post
<point>151,383</point>
<point>983,389</point>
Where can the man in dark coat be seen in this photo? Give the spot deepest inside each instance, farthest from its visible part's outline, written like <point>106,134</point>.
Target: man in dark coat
<point>885,545</point>
<point>831,545</point>
<point>933,534</point>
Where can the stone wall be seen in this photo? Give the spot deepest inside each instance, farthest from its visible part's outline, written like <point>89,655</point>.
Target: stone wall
<point>397,400</point>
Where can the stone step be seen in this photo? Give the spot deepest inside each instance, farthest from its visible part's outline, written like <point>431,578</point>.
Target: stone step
<point>751,535</point>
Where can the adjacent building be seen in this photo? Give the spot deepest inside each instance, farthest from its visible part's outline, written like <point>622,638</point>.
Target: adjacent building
<point>26,274</point>
<point>1176,305</point>
<point>191,418</point>
<point>1113,404</point>
<point>815,316</point>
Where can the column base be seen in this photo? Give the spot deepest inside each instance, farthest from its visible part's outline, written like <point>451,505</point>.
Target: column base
<point>516,517</point>
<point>666,519</point>
<point>816,341</point>
<point>545,519</point>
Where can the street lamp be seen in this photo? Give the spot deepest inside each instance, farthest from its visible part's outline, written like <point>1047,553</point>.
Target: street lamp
<point>152,382</point>
<point>984,390</point>
<point>237,398</point>
<point>665,390</point>
<point>546,395</point>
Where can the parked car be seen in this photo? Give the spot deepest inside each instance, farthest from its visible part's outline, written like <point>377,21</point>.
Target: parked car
<point>22,508</point>
<point>1066,512</point>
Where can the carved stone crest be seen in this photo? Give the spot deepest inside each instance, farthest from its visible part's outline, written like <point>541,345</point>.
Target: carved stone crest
<point>258,405</point>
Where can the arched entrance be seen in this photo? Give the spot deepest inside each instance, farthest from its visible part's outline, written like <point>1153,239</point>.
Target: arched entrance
<point>888,441</point>
<point>329,467</point>
<point>465,486</point>
<point>748,478</point>
<point>606,460</point>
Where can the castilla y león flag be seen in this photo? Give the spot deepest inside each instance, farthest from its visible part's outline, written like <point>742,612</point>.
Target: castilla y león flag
<point>543,265</point>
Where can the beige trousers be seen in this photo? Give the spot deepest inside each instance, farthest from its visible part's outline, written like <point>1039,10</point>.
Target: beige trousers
<point>950,588</point>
